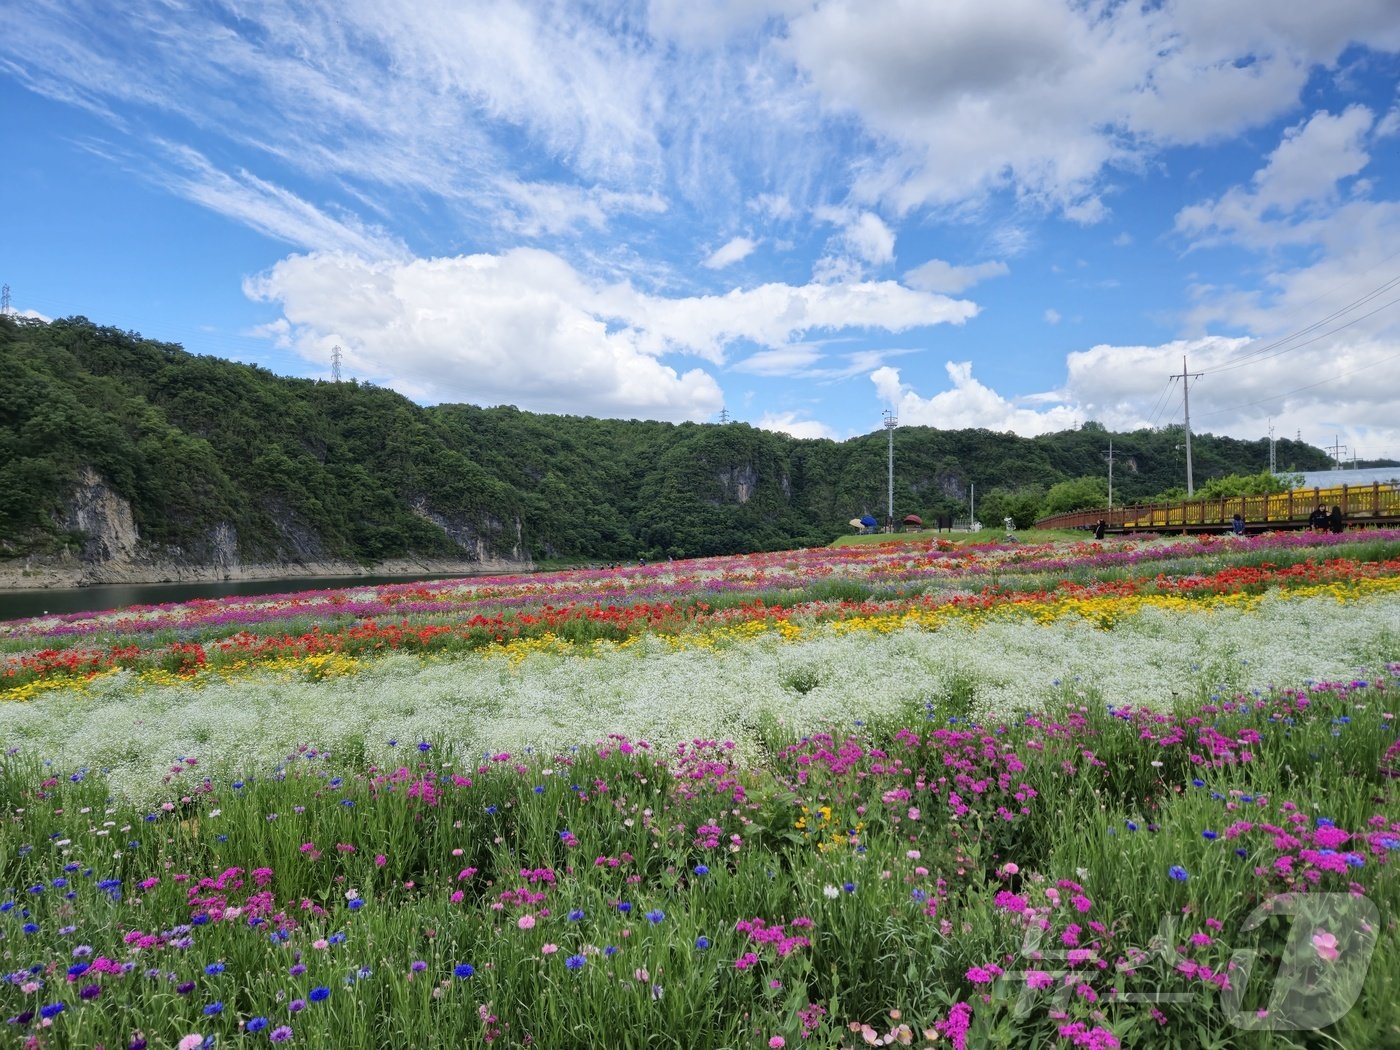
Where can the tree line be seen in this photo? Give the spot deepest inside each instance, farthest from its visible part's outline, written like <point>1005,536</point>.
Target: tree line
<point>302,467</point>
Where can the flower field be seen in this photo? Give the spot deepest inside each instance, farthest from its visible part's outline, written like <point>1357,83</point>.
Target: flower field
<point>1077,795</point>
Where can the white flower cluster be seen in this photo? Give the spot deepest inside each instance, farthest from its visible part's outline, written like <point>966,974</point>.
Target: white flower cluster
<point>738,692</point>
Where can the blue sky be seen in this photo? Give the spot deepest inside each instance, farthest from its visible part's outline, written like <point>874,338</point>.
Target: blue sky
<point>1011,214</point>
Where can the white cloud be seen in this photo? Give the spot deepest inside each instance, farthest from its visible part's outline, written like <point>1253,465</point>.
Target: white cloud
<point>1041,96</point>
<point>734,250</point>
<point>968,404</point>
<point>1302,173</point>
<point>521,328</point>
<point>786,361</point>
<point>788,423</point>
<point>526,328</point>
<point>534,209</point>
<point>1052,316</point>
<point>939,276</point>
<point>271,209</point>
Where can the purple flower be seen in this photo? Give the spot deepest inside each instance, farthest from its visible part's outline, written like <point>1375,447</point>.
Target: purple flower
<point>418,966</point>
<point>296,1006</point>
<point>280,1034</point>
<point>1177,872</point>
<point>90,992</point>
<point>655,916</point>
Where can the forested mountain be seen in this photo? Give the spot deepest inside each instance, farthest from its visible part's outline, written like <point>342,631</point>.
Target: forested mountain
<point>206,451</point>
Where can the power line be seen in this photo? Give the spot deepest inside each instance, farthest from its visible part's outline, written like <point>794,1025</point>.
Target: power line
<point>1314,339</point>
<point>1299,389</point>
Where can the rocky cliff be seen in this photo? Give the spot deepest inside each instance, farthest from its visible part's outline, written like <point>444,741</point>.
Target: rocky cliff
<point>113,551</point>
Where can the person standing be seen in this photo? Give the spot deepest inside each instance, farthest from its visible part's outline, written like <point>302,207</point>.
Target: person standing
<point>1099,529</point>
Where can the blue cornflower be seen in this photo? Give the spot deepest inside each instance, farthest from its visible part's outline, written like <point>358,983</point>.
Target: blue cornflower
<point>624,907</point>
<point>319,994</point>
<point>702,943</point>
<point>335,782</point>
<point>1198,782</point>
<point>463,970</point>
<point>213,1008</point>
<point>539,789</point>
<point>656,915</point>
<point>51,1010</point>
<point>701,869</point>
<point>849,887</point>
<point>213,968</point>
<point>1177,872</point>
<point>256,1024</point>
<point>490,811</point>
<point>200,919</point>
<point>920,895</point>
<point>576,915</point>
<point>610,950</point>
<point>424,746</point>
<point>1208,835</point>
<point>1131,825</point>
<point>575,962</point>
<point>357,904</point>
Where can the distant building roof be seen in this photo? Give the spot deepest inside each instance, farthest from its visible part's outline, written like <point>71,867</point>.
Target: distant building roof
<point>1326,479</point>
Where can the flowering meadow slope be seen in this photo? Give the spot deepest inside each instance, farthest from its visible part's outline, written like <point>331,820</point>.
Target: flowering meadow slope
<point>1103,794</point>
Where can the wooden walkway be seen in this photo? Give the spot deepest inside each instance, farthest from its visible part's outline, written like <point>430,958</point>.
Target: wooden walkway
<point>1373,504</point>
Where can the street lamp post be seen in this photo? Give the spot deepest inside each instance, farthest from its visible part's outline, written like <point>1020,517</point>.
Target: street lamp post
<point>890,423</point>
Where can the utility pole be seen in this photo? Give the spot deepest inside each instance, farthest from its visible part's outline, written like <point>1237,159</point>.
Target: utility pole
<point>1109,456</point>
<point>971,503</point>
<point>335,362</point>
<point>1336,448</point>
<point>1273,467</point>
<point>890,423</point>
<point>1186,378</point>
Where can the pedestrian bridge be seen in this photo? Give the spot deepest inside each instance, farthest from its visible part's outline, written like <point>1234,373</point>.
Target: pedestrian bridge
<point>1373,504</point>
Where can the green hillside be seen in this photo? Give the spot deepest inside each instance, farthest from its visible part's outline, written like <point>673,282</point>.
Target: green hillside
<point>299,467</point>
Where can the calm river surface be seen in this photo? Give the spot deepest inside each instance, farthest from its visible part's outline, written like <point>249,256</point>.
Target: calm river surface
<point>16,605</point>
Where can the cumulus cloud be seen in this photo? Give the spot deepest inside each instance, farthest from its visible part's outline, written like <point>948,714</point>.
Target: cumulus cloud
<point>789,423</point>
<point>1305,169</point>
<point>1043,97</point>
<point>969,404</point>
<point>1343,394</point>
<point>526,328</point>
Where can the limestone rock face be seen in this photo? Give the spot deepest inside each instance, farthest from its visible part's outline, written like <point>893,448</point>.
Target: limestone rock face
<point>104,518</point>
<point>113,550</point>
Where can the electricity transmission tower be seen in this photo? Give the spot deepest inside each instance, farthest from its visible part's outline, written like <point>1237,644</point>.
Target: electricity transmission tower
<point>335,362</point>
<point>5,301</point>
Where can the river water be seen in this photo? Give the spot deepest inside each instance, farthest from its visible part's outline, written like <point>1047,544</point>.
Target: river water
<point>16,605</point>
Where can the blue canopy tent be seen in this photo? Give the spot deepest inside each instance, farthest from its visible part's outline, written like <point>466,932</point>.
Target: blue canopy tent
<point>869,522</point>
